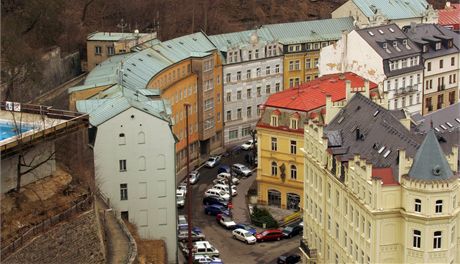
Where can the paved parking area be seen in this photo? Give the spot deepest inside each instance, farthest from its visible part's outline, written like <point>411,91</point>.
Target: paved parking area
<point>233,251</point>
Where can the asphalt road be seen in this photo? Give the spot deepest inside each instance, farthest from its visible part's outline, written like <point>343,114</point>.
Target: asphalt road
<point>234,251</point>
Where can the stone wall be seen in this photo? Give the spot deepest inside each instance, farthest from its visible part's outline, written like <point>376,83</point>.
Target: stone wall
<point>74,241</point>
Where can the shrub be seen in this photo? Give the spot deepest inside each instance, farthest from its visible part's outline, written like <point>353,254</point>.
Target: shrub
<point>260,216</point>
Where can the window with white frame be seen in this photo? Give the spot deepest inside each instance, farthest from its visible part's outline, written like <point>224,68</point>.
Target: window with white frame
<point>121,139</point>
<point>438,207</point>
<point>274,168</point>
<point>274,121</point>
<point>258,72</point>
<point>277,87</point>
<point>248,74</point>
<point>209,104</point>
<point>98,50</point>
<point>267,70</point>
<point>110,51</point>
<point>229,115</point>
<point>124,191</point>
<point>122,164</point>
<point>293,172</point>
<point>249,112</point>
<point>277,68</point>
<point>418,205</point>
<point>209,123</point>
<point>274,144</point>
<point>437,239</point>
<point>228,77</point>
<point>293,147</point>
<point>233,134</point>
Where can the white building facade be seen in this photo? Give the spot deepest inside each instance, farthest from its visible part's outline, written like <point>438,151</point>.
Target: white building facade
<point>253,71</point>
<point>385,56</point>
<point>134,158</point>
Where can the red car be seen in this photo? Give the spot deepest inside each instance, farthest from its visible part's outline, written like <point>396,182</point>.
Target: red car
<point>269,235</point>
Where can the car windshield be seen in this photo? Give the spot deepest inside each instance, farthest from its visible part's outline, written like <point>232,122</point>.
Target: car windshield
<point>264,233</point>
<point>247,234</point>
<point>288,229</point>
<point>211,159</point>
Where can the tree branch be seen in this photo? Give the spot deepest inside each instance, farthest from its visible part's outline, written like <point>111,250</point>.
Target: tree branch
<point>50,157</point>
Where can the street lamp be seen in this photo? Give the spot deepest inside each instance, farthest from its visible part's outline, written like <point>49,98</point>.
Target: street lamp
<point>254,149</point>
<point>189,190</point>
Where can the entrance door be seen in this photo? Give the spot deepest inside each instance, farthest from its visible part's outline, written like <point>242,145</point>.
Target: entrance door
<point>293,201</point>
<point>274,198</point>
<point>125,215</point>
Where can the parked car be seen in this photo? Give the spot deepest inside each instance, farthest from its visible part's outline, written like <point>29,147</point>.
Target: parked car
<point>248,145</point>
<point>215,209</point>
<point>202,248</point>
<point>182,187</point>
<point>199,259</point>
<point>225,188</point>
<point>240,169</point>
<point>180,198</point>
<point>225,221</point>
<point>194,176</point>
<point>223,168</point>
<point>290,231</point>
<point>288,259</point>
<point>215,200</point>
<point>247,227</point>
<point>182,223</point>
<point>244,235</point>
<point>183,236</point>
<point>226,176</point>
<point>217,193</point>
<point>212,161</point>
<point>269,235</point>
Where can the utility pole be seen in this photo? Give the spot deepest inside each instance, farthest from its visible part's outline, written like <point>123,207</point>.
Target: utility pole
<point>189,190</point>
<point>254,149</point>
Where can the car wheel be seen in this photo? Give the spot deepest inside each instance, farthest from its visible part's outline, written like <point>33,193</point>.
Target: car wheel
<point>290,236</point>
<point>278,238</point>
<point>234,237</point>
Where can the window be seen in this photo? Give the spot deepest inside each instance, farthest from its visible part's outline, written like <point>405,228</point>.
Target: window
<point>274,121</point>
<point>124,191</point>
<point>293,172</point>
<point>428,66</point>
<point>438,207</point>
<point>441,64</point>
<point>238,76</point>
<point>229,115</point>
<point>437,236</point>
<point>307,64</point>
<point>233,134</point>
<point>98,50</point>
<point>239,114</point>
<point>277,87</point>
<point>229,96</point>
<point>267,89</point>
<point>209,104</point>
<point>267,70</point>
<point>250,55</point>
<point>297,65</point>
<point>418,205</point>
<point>259,91</point>
<point>438,46</point>
<point>258,72</point>
<point>248,74</point>
<point>277,68</point>
<point>316,64</point>
<point>293,147</point>
<point>121,139</point>
<point>245,131</point>
<point>256,54</point>
<point>452,61</point>
<point>274,144</point>
<point>337,229</point>
<point>209,123</point>
<point>291,65</point>
<point>122,165</point>
<point>249,112</point>
<point>274,169</point>
<point>238,95</point>
<point>110,51</point>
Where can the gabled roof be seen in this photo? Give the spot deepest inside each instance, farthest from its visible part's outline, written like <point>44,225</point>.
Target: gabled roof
<point>420,33</point>
<point>450,16</point>
<point>372,132</point>
<point>442,120</point>
<point>312,95</point>
<point>393,9</point>
<point>375,36</point>
<point>310,31</point>
<point>430,162</point>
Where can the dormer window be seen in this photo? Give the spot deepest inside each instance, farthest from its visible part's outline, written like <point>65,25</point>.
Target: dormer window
<point>294,123</point>
<point>385,46</point>
<point>449,43</point>
<point>395,44</point>
<point>438,45</point>
<point>425,48</point>
<point>404,42</point>
<point>274,120</point>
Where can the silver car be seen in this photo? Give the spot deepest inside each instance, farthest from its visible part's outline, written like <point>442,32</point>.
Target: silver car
<point>241,169</point>
<point>212,161</point>
<point>194,176</point>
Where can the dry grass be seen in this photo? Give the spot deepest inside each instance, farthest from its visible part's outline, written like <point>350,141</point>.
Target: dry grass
<point>149,251</point>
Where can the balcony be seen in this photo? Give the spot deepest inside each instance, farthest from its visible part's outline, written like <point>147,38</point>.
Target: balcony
<point>441,87</point>
<point>406,90</point>
<point>309,253</point>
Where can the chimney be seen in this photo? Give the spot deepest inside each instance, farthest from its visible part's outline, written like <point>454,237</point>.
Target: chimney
<point>358,134</point>
<point>447,5</point>
<point>366,88</point>
<point>348,91</point>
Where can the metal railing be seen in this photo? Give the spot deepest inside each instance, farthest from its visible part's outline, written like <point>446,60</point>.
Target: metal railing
<point>45,225</point>
<point>311,253</point>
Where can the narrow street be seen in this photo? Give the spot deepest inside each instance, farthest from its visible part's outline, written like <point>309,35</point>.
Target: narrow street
<point>233,251</point>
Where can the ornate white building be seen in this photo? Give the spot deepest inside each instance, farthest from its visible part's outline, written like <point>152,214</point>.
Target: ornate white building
<point>253,70</point>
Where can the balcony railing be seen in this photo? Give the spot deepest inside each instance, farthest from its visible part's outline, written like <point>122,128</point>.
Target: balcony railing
<point>311,253</point>
<point>406,90</point>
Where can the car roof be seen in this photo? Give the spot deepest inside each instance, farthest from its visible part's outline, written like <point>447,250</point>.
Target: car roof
<point>238,164</point>
<point>242,230</point>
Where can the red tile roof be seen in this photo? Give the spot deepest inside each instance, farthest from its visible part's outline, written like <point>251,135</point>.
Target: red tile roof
<point>450,17</point>
<point>312,95</point>
<point>385,174</point>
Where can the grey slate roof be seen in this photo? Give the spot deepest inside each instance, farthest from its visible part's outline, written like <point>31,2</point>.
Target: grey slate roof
<point>393,9</point>
<point>430,162</point>
<point>421,32</point>
<point>443,120</point>
<point>382,134</point>
<point>391,32</point>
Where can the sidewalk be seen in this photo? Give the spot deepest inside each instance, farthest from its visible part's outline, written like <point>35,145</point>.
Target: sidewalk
<point>240,210</point>
<point>116,242</point>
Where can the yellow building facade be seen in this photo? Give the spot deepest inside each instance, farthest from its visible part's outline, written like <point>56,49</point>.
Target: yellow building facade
<point>376,193</point>
<point>301,66</point>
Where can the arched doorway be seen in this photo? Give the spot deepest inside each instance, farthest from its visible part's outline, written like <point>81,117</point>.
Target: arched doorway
<point>293,201</point>
<point>274,198</point>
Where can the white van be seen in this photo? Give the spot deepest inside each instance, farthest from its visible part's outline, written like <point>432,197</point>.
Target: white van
<point>225,188</point>
<point>205,248</point>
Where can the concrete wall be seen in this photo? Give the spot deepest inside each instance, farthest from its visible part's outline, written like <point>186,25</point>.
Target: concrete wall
<point>36,154</point>
<point>148,149</point>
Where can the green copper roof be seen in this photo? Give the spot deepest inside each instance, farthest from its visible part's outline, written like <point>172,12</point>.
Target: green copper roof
<point>114,36</point>
<point>393,9</point>
<point>429,161</point>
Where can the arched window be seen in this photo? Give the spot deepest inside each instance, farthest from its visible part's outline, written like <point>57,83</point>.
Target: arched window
<point>142,163</point>
<point>293,172</point>
<point>437,236</point>
<point>416,239</point>
<point>121,139</point>
<point>274,169</point>
<point>141,138</point>
<point>418,205</point>
<point>438,207</point>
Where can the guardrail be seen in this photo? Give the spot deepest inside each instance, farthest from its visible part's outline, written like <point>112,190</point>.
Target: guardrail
<point>45,225</point>
<point>291,218</point>
<point>132,247</point>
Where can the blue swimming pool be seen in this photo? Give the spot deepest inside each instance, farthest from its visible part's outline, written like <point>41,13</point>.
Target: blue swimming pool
<point>8,129</point>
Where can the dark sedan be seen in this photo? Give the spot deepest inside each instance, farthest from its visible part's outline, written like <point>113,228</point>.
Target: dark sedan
<point>215,209</point>
<point>288,259</point>
<point>290,231</point>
